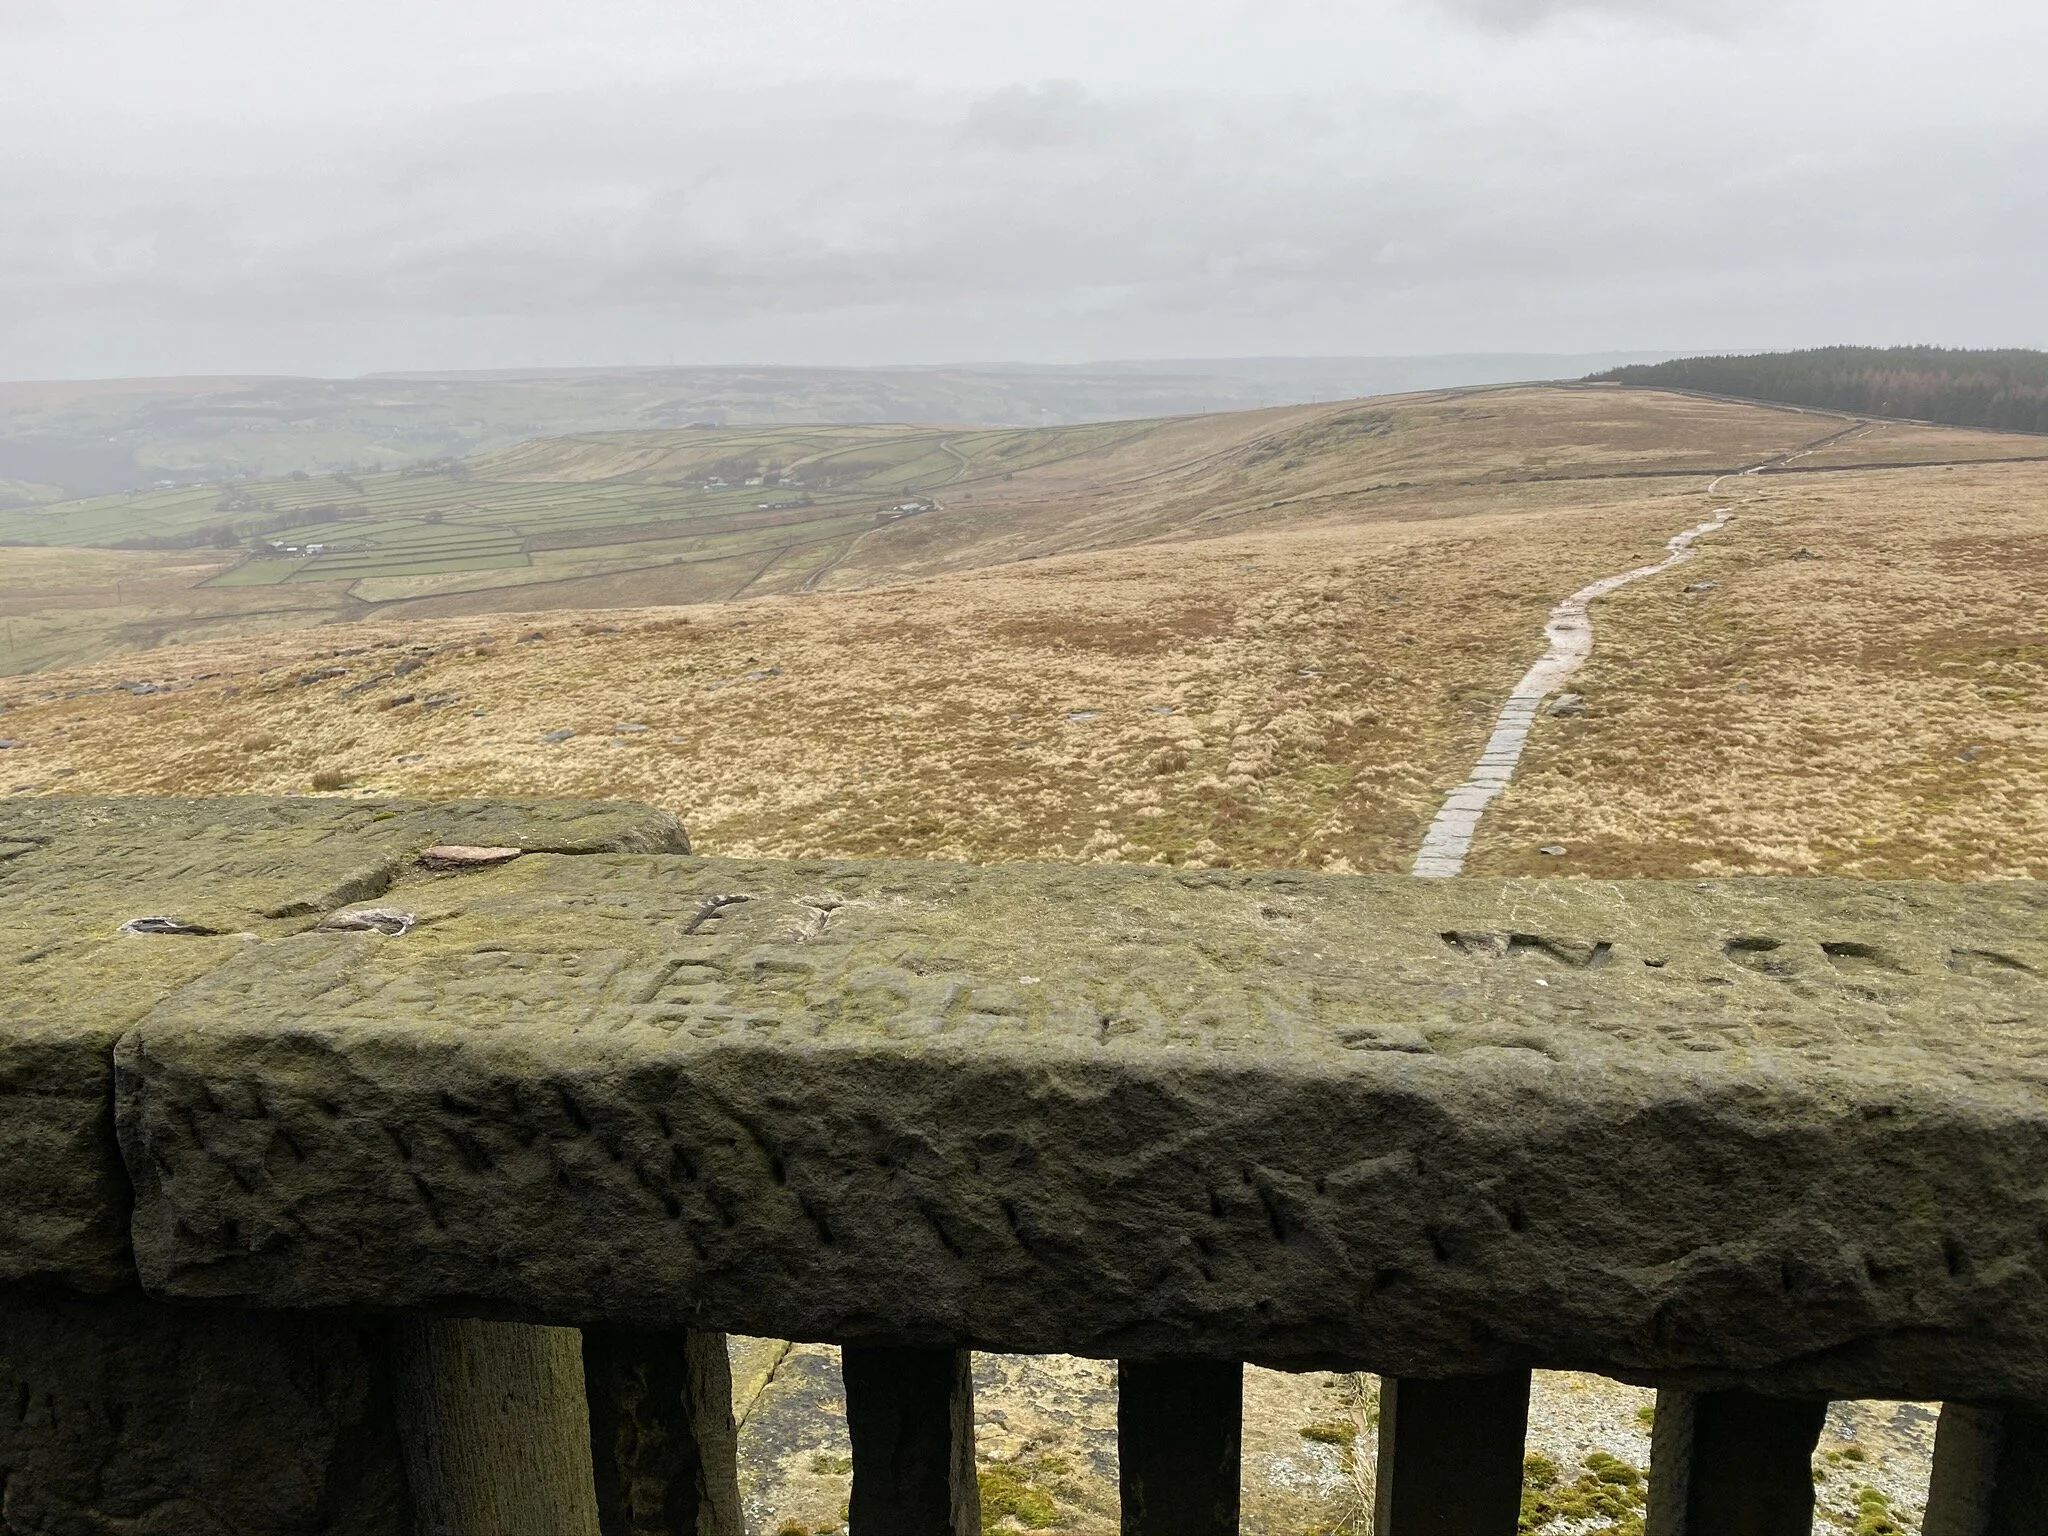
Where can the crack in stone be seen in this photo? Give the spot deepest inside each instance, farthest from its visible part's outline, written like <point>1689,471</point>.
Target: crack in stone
<point>708,911</point>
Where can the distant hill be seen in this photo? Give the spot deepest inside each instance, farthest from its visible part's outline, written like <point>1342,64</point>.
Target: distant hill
<point>2006,390</point>
<point>681,515</point>
<point>71,438</point>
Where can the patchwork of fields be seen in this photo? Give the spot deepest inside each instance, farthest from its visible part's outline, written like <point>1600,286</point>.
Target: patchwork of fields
<point>790,501</point>
<point>593,521</point>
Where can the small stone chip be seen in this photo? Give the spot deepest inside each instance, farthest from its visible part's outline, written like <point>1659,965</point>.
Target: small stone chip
<point>388,921</point>
<point>1555,850</point>
<point>466,856</point>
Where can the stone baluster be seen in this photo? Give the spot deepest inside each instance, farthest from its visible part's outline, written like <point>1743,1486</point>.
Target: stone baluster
<point>1179,1429</point>
<point>910,1415</point>
<point>1990,1473</point>
<point>663,1447</point>
<point>1732,1464</point>
<point>1450,1455</point>
<point>495,1429</point>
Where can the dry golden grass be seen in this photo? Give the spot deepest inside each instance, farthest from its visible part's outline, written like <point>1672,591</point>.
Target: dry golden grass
<point>1406,457</point>
<point>1290,698</point>
<point>1876,711</point>
<point>1913,442</point>
<point>60,607</point>
<point>1240,677</point>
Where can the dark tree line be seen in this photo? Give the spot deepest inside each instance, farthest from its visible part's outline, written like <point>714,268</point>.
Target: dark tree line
<point>2005,390</point>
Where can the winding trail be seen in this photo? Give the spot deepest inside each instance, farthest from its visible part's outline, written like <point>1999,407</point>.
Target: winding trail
<point>1570,632</point>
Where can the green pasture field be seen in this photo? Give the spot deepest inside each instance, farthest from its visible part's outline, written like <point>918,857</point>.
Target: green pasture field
<point>568,503</point>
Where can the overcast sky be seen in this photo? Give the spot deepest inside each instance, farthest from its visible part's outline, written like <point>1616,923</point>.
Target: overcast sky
<point>280,185</point>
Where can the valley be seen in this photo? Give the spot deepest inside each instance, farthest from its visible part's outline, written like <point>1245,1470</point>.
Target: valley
<point>1269,639</point>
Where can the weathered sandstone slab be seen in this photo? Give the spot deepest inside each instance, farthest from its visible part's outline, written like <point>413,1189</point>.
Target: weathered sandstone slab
<point>1788,1135</point>
<point>228,873</point>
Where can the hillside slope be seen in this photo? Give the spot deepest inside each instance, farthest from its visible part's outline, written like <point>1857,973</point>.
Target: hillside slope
<point>628,519</point>
<point>1275,680</point>
<point>70,438</point>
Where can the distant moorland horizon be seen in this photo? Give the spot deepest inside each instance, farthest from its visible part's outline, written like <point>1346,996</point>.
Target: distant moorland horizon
<point>87,437</point>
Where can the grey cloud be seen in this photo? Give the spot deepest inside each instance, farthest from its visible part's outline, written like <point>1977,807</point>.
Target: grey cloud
<point>721,201</point>
<point>1697,15</point>
<point>1671,202</point>
<point>718,204</point>
<point>1034,116</point>
<point>29,15</point>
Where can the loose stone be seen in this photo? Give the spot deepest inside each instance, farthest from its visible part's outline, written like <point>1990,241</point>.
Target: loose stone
<point>465,856</point>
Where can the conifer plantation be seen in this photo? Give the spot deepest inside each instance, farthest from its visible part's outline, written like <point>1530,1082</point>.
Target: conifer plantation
<point>2005,390</point>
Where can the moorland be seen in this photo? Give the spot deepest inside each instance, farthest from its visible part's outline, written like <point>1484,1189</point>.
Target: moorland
<point>61,439</point>
<point>1267,638</point>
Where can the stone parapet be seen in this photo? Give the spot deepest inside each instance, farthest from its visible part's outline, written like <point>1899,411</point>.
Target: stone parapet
<point>1776,1135</point>
<point>1744,1140</point>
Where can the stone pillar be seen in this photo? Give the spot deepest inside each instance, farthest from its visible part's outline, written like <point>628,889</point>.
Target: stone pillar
<point>663,1448</point>
<point>497,1434</point>
<point>1179,1430</point>
<point>1732,1464</point>
<point>122,1414</point>
<point>1450,1460</point>
<point>1990,1473</point>
<point>910,1414</point>
<point>1670,1463</point>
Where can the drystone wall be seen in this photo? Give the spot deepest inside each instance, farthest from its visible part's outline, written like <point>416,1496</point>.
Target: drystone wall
<point>1776,1136</point>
